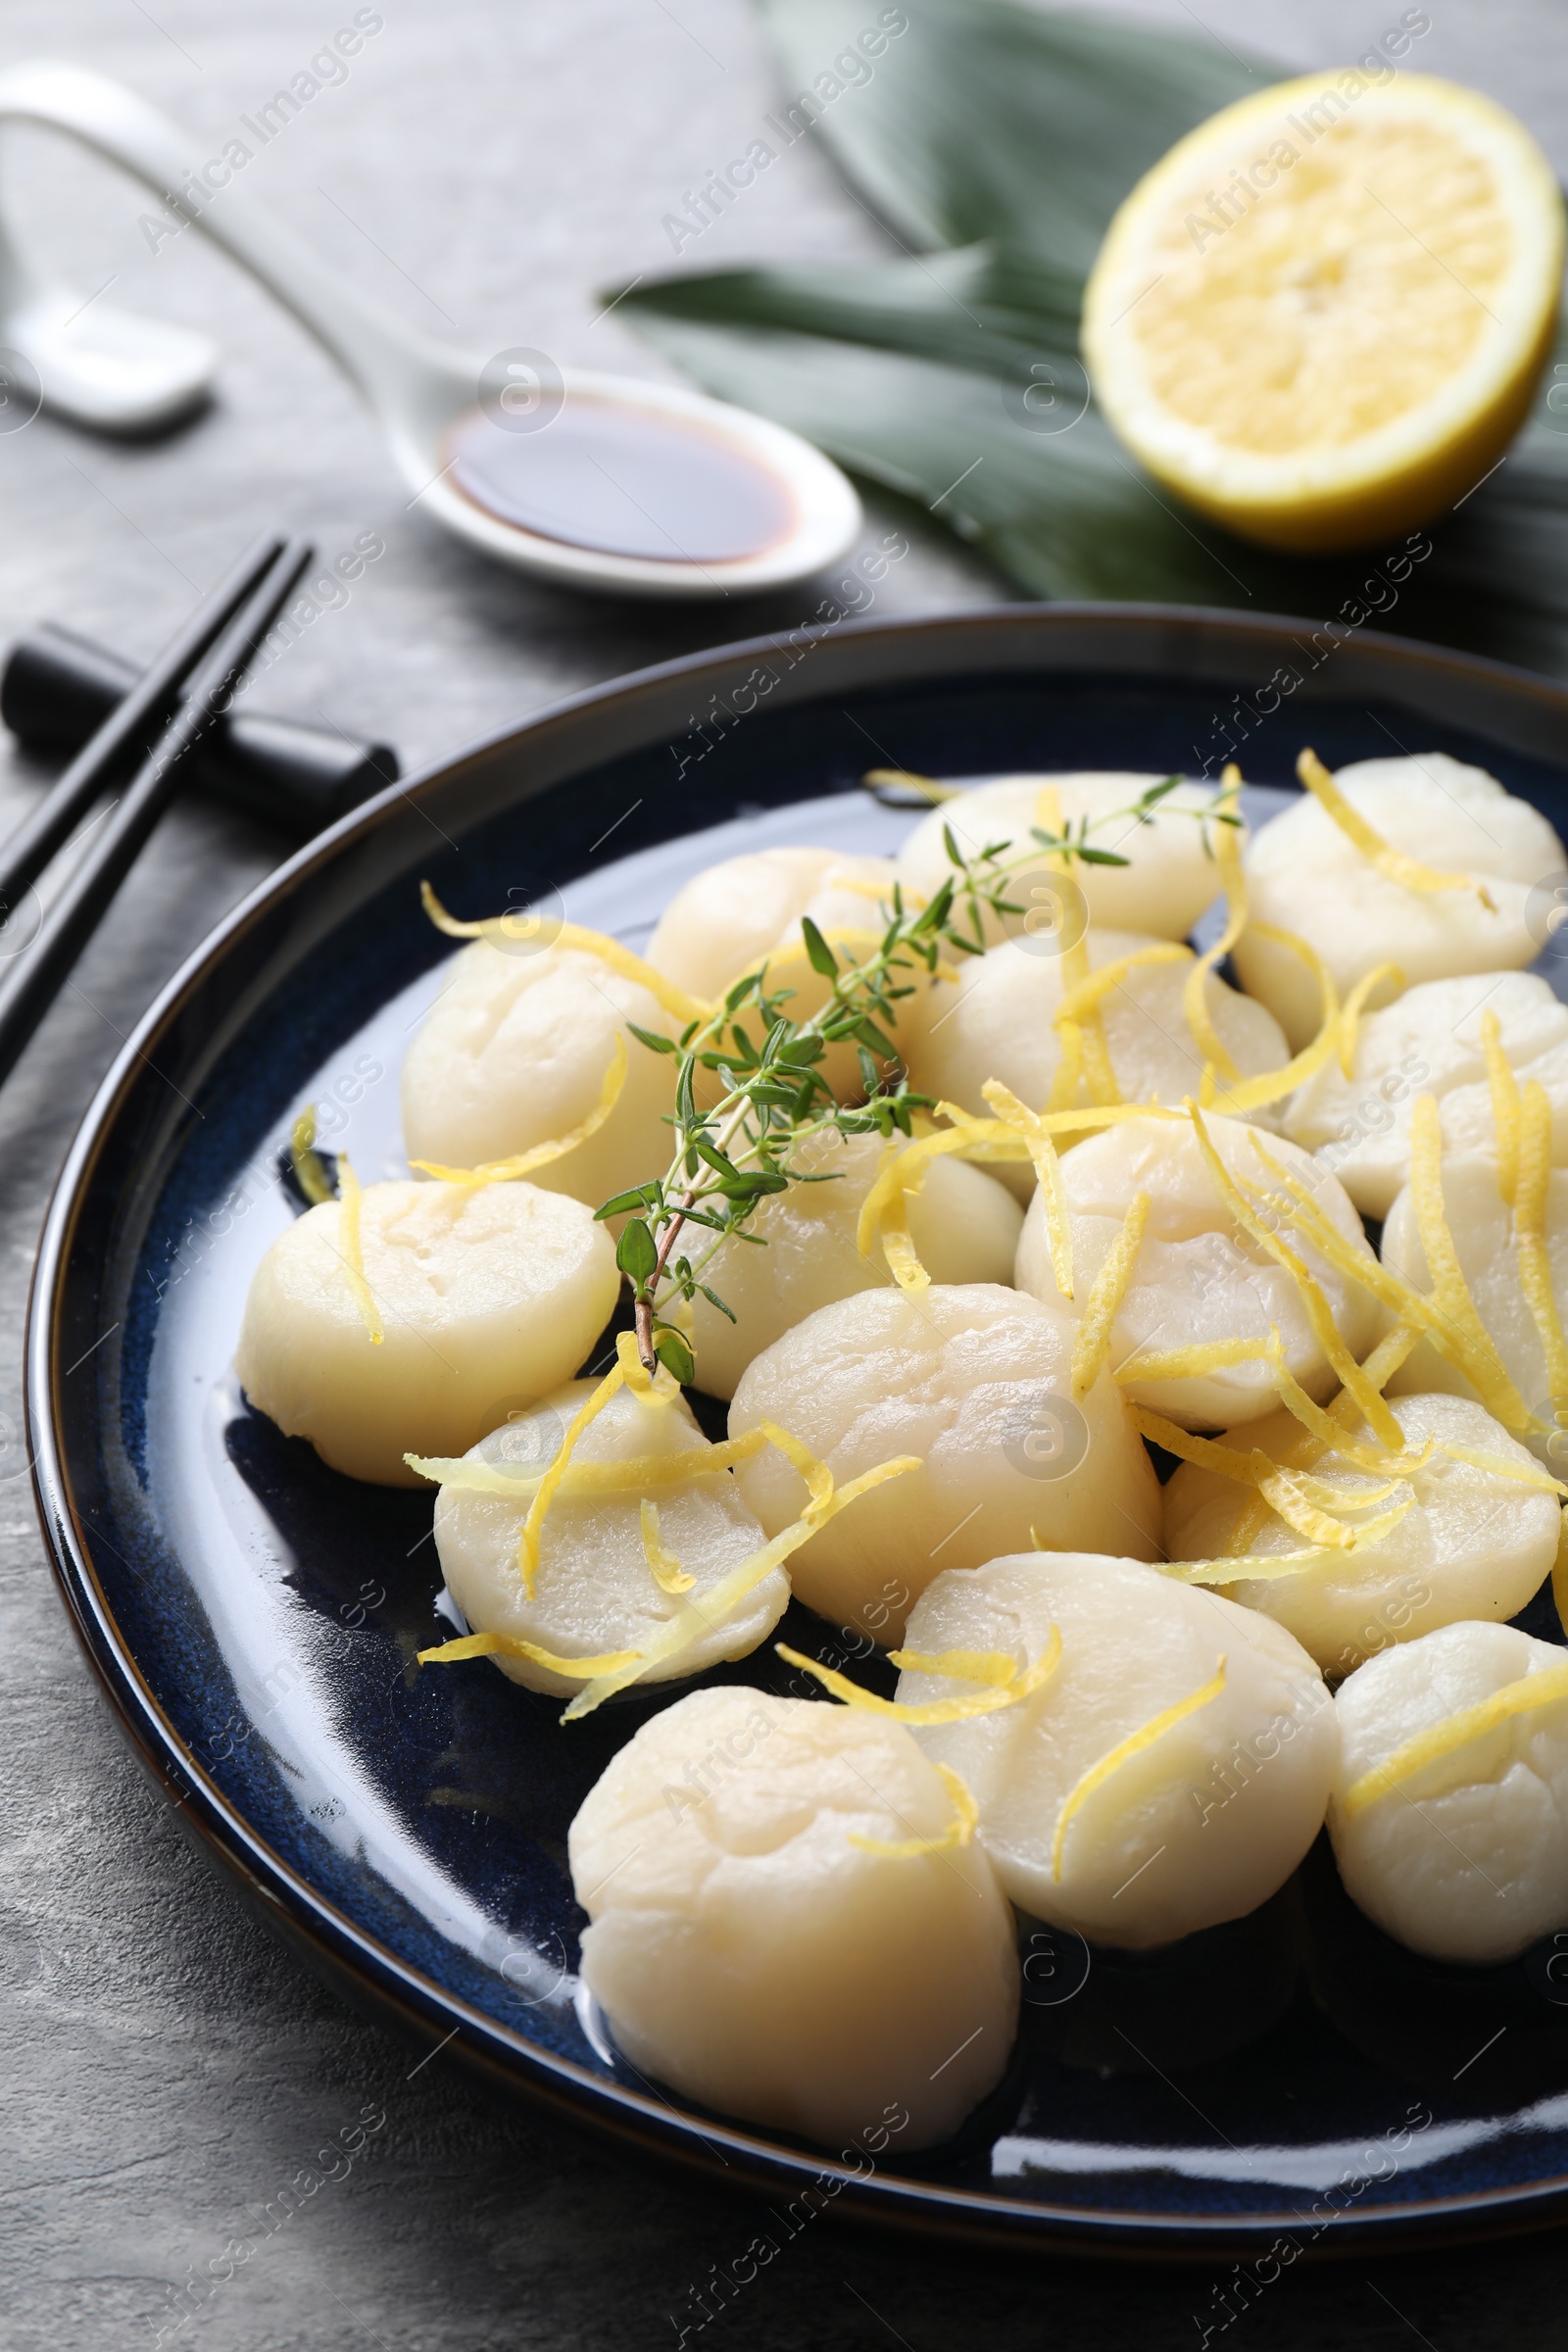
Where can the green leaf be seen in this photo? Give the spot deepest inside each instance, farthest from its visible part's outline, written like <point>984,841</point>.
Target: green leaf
<point>653,1040</point>
<point>819,954</point>
<point>713,1300</point>
<point>674,1351</point>
<point>1092,856</point>
<point>987,119</point>
<point>635,1254</point>
<point>645,1195</point>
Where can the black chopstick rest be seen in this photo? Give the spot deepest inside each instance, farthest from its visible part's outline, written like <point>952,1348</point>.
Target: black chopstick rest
<point>57,688</point>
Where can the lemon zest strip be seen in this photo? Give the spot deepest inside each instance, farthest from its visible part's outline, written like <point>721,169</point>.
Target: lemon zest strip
<point>1504,1106</point>
<point>1048,1169</point>
<point>1232,880</point>
<point>1088,994</point>
<point>1559,1573</point>
<point>514,1483</point>
<point>1123,1753</point>
<point>926,786</point>
<point>349,1192</point>
<point>304,1160</point>
<point>504,929</point>
<point>1353,1007</point>
<point>1022,1683</point>
<point>1527,1474</point>
<point>693,1618</point>
<point>512,1646</point>
<point>1534,1168</point>
<point>1254,1093</point>
<point>666,1571</point>
<point>1410,872</point>
<point>1526,1696</point>
<point>958,1831</point>
<point>550,1484</point>
<point>539,1156</point>
<point>1091,1342</point>
<point>1451,1292</point>
<point>1289,1492</point>
<point>1324,1329</point>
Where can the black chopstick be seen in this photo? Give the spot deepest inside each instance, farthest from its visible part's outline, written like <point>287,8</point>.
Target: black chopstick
<point>125,734</point>
<point>40,968</point>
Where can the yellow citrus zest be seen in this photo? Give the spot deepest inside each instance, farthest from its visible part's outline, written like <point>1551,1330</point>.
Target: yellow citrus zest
<point>1324,1329</point>
<point>1091,1344</point>
<point>1532,1170</point>
<point>514,1483</point>
<point>1123,1753</point>
<point>958,1665</point>
<point>666,1571</point>
<point>1504,1106</point>
<point>348,1190</point>
<point>1355,1004</point>
<point>1048,1169</point>
<point>512,1646</point>
<point>1526,1696</point>
<point>1254,1093</point>
<point>539,1156</point>
<point>1408,872</point>
<point>958,1831</point>
<point>1228,841</point>
<point>511,930</point>
<point>309,1173</point>
<point>1451,1292</point>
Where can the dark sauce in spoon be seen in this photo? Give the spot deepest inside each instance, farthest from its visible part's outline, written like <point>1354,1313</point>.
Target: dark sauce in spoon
<point>624,481</point>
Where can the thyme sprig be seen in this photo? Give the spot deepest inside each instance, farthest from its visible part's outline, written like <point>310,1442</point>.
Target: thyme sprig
<point>734,1153</point>
<point>764,1068</point>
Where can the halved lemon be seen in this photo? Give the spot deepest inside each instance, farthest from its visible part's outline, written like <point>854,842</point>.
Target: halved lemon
<point>1321,317</point>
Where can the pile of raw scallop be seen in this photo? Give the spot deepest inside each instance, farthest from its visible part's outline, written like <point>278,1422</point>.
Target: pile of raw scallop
<point>1178,1405</point>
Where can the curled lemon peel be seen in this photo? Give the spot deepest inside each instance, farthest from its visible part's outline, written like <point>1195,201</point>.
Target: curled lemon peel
<point>1504,1106</point>
<point>1526,1696</point>
<point>304,1160</point>
<point>1324,1329</point>
<point>1407,871</point>
<point>1457,1309</point>
<point>508,930</point>
<point>1294,1495</point>
<point>665,1568</point>
<point>1353,1007</point>
<point>1497,1466</point>
<point>513,1483</point>
<point>1233,881</point>
<point>1533,1169</point>
<point>1305,1450</point>
<point>1123,1753</point>
<point>1086,995</point>
<point>550,1484</point>
<point>512,1646</point>
<point>904,779</point>
<point>1559,1573</point>
<point>1091,1341</point>
<point>1254,1093</point>
<point>350,1192</point>
<point>957,1834</point>
<point>898,1248</point>
<point>954,1665</point>
<point>539,1156</point>
<point>1048,1170</point>
<point>1419,1316</point>
<point>691,1618</point>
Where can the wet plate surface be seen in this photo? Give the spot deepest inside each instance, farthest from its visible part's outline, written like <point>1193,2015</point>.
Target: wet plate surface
<point>256,1616</point>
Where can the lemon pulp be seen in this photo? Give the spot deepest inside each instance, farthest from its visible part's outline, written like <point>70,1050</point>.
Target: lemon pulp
<point>1322,315</point>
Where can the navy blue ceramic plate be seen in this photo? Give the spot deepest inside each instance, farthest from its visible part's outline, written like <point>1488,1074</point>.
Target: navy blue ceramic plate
<point>255,1616</point>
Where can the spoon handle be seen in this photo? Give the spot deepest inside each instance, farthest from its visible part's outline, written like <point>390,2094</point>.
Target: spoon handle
<point>104,368</point>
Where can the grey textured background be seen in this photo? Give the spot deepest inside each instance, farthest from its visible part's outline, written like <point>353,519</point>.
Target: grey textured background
<point>167,2069</point>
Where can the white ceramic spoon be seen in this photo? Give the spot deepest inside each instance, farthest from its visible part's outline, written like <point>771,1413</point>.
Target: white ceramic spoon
<point>598,481</point>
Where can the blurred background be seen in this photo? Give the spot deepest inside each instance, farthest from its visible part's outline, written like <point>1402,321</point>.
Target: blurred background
<point>483,169</point>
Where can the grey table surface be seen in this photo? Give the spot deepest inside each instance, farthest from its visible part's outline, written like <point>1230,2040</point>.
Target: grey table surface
<point>485,166</point>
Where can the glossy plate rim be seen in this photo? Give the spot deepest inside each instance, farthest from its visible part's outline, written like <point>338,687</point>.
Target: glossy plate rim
<point>628,712</point>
